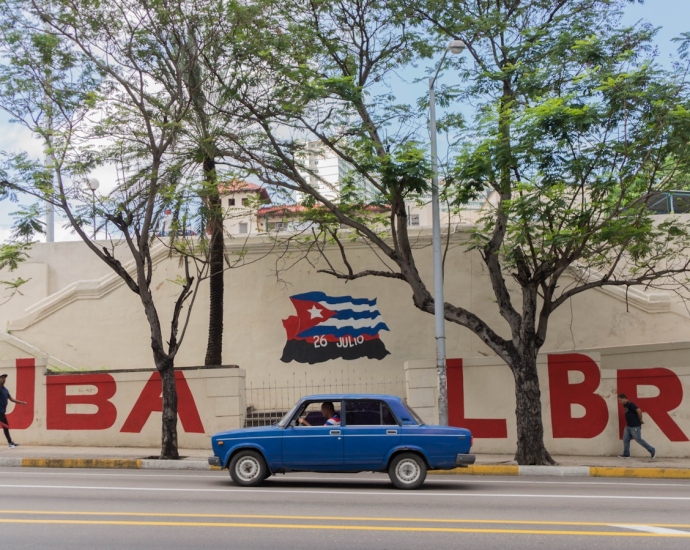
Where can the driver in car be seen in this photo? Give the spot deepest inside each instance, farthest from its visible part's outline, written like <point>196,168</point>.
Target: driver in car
<point>328,412</point>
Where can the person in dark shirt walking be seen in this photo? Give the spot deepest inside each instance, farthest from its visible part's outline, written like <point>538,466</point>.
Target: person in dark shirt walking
<point>4,398</point>
<point>633,428</point>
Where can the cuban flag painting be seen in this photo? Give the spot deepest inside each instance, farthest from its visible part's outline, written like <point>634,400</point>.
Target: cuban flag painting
<point>333,327</point>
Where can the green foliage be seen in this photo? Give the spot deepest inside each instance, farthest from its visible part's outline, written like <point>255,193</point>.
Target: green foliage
<point>576,128</point>
<point>11,255</point>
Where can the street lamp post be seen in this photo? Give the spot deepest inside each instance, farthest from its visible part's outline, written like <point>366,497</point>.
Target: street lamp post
<point>93,185</point>
<point>454,47</point>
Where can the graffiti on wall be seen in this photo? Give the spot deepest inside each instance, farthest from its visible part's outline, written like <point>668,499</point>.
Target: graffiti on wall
<point>563,394</point>
<point>333,327</point>
<point>60,398</point>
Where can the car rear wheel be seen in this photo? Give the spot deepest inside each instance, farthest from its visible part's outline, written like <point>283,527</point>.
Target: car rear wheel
<point>248,468</point>
<point>407,471</point>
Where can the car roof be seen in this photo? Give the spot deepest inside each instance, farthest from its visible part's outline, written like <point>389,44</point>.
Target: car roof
<point>336,396</point>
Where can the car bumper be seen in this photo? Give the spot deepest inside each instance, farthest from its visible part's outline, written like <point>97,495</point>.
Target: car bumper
<point>214,461</point>
<point>463,461</point>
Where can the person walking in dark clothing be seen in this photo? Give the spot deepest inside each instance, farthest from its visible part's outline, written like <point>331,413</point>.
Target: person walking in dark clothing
<point>633,428</point>
<point>4,398</point>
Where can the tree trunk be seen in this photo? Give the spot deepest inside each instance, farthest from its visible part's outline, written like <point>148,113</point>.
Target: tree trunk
<point>530,427</point>
<point>169,424</point>
<point>214,346</point>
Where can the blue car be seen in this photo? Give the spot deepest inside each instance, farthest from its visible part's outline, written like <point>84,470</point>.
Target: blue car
<point>344,433</point>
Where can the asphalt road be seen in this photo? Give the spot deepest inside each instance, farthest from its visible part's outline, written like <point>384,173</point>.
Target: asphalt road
<point>85,509</point>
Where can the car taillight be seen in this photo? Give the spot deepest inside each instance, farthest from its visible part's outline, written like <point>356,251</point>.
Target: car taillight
<point>471,441</point>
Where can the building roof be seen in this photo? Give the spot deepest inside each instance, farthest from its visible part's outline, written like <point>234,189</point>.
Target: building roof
<point>281,209</point>
<point>232,187</point>
<point>297,208</point>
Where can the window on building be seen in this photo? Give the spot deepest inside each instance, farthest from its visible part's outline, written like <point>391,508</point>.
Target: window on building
<point>368,413</point>
<point>244,228</point>
<point>277,226</point>
<point>231,202</point>
<point>414,219</point>
<point>245,201</point>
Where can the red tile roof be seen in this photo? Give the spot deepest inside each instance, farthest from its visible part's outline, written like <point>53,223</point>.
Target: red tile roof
<point>229,188</point>
<point>281,209</point>
<point>295,208</point>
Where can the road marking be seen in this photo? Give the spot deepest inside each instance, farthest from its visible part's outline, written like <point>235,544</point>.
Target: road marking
<point>377,478</point>
<point>330,518</point>
<point>654,529</point>
<point>421,493</point>
<point>341,527</point>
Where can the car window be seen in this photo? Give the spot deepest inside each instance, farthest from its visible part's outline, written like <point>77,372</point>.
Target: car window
<point>283,421</point>
<point>368,412</point>
<point>311,412</point>
<point>417,418</point>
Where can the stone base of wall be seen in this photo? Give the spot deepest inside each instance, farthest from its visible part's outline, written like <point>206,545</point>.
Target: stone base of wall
<point>120,408</point>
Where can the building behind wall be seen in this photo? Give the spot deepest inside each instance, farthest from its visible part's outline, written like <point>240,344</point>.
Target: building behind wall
<point>326,172</point>
<point>240,201</point>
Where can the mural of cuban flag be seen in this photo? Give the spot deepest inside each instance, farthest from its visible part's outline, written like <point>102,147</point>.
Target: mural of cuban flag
<point>333,327</point>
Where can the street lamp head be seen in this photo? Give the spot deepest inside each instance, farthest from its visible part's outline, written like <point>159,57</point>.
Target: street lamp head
<point>456,46</point>
<point>93,184</point>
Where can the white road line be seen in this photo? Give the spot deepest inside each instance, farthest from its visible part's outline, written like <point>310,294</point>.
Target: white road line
<point>355,478</point>
<point>651,529</point>
<point>422,493</point>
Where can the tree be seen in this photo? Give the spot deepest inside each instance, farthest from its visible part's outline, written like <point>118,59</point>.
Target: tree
<point>206,152</point>
<point>78,75</point>
<point>575,129</point>
<point>206,24</point>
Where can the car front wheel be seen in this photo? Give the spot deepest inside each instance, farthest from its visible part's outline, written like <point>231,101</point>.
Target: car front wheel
<point>248,468</point>
<point>407,471</point>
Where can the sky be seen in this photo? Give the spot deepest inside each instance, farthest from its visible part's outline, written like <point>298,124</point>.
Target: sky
<point>671,16</point>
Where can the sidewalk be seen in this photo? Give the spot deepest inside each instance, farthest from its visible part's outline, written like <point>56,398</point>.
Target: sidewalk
<point>102,457</point>
<point>196,459</point>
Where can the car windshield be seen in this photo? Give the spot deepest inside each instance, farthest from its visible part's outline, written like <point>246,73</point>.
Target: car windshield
<point>417,418</point>
<point>283,421</point>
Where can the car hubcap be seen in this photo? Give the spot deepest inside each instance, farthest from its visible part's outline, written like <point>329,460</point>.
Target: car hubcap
<point>407,471</point>
<point>248,468</point>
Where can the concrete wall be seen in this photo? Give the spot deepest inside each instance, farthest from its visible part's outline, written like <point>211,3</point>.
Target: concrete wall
<point>99,323</point>
<point>76,314</point>
<point>108,409</point>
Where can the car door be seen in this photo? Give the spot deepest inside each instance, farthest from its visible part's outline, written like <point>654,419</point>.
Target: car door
<point>371,431</point>
<point>315,447</point>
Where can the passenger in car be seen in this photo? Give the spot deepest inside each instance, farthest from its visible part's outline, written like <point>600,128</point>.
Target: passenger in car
<point>328,412</point>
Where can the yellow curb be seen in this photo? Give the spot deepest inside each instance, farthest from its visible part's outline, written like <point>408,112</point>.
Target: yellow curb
<point>215,468</point>
<point>652,473</point>
<point>482,470</point>
<point>122,463</point>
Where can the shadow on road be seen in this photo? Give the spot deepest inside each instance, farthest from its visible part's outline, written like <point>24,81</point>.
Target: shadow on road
<point>287,482</point>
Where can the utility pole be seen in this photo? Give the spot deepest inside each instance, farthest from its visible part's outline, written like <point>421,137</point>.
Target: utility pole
<point>454,47</point>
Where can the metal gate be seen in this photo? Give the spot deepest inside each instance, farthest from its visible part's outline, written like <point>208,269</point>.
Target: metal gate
<point>268,400</point>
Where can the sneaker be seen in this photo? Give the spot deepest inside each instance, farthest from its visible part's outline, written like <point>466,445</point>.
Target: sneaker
<point>13,445</point>
<point>623,456</point>
<point>653,454</point>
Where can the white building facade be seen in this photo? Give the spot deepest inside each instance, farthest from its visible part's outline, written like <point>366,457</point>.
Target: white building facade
<point>326,172</point>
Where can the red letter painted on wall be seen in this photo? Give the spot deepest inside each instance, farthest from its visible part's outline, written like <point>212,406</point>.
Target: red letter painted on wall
<point>563,394</point>
<point>57,400</point>
<point>23,416</point>
<point>151,401</point>
<point>669,398</point>
<point>480,427</point>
